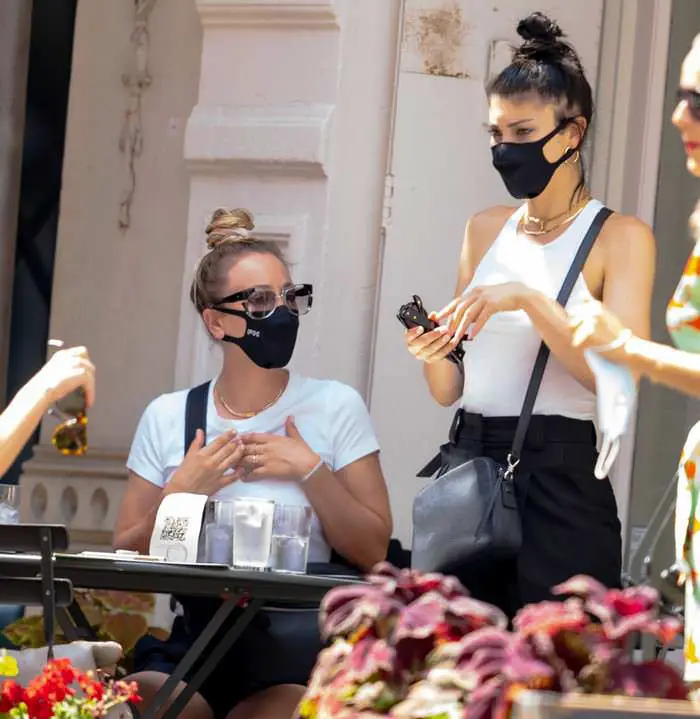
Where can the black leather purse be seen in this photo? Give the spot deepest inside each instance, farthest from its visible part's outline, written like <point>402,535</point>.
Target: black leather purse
<point>470,512</point>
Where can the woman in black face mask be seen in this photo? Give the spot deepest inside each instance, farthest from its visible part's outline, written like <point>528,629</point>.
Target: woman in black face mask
<point>514,261</point>
<point>263,432</point>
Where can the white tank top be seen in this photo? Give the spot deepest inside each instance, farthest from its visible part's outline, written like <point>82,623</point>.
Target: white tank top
<point>499,361</point>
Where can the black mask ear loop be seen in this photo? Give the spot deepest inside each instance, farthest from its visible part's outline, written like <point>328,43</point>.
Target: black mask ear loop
<point>573,156</point>
<point>233,313</point>
<point>571,151</point>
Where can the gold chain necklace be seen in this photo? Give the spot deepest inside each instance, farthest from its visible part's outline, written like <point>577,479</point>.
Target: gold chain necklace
<point>568,215</point>
<point>248,415</point>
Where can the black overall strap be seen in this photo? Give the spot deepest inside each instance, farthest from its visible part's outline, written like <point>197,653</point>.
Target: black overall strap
<point>543,355</point>
<point>196,413</point>
<point>195,418</point>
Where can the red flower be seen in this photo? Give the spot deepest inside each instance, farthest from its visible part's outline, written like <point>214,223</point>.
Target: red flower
<point>11,695</point>
<point>94,690</point>
<point>53,686</point>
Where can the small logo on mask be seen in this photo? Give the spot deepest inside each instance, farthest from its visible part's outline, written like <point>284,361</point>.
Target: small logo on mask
<point>253,333</point>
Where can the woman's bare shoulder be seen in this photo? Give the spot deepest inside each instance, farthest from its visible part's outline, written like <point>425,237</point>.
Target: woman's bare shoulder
<point>479,234</point>
<point>483,228</point>
<point>622,235</point>
<point>490,220</point>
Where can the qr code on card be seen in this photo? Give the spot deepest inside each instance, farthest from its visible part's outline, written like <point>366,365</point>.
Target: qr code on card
<point>175,529</point>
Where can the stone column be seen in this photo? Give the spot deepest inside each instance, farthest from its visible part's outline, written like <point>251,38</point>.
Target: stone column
<point>15,30</point>
<point>292,122</point>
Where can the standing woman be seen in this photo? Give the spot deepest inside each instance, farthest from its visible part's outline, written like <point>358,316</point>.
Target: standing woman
<point>512,265</point>
<point>597,327</point>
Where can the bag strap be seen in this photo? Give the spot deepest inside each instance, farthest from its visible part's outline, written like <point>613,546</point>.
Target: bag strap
<point>196,413</point>
<point>543,355</point>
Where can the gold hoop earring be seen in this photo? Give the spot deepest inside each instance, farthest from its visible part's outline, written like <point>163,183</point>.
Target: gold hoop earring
<point>574,159</point>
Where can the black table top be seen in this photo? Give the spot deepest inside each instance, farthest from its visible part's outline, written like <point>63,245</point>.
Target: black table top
<point>164,578</point>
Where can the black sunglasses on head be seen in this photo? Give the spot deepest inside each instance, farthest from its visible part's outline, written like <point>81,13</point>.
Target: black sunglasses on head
<point>692,100</point>
<point>260,302</point>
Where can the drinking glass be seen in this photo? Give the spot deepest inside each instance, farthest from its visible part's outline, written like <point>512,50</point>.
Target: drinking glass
<point>218,531</point>
<point>252,532</point>
<point>291,530</point>
<point>9,504</point>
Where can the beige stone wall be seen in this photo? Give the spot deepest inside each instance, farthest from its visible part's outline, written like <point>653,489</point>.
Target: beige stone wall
<point>118,291</point>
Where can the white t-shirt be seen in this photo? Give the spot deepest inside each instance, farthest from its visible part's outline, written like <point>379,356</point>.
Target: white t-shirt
<point>331,417</point>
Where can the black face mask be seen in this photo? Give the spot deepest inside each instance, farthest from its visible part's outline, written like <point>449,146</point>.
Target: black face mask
<point>523,166</point>
<point>269,342</point>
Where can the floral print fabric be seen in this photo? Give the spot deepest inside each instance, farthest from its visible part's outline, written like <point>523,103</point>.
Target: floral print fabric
<point>683,321</point>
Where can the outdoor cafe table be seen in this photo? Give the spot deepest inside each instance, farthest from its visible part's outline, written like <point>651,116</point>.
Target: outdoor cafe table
<point>130,575</point>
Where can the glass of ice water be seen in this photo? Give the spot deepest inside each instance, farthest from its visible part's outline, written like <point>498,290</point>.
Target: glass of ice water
<point>218,531</point>
<point>291,531</point>
<point>252,532</point>
<point>9,504</point>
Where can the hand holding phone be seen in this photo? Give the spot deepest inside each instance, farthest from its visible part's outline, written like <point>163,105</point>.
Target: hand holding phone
<point>413,314</point>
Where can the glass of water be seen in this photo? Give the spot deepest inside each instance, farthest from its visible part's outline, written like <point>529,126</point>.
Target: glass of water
<point>252,532</point>
<point>291,531</point>
<point>9,504</point>
<point>218,531</point>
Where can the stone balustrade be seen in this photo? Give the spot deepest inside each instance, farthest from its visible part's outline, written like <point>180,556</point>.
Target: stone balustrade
<point>83,493</point>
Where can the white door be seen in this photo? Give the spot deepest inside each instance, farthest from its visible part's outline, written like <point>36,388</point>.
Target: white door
<point>442,174</point>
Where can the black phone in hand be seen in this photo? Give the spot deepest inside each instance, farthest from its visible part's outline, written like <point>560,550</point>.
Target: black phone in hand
<point>414,314</point>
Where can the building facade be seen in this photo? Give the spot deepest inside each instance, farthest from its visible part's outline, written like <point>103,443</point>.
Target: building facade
<point>352,129</point>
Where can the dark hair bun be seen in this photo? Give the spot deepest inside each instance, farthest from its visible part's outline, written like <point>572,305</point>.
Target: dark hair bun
<point>543,42</point>
<point>537,27</point>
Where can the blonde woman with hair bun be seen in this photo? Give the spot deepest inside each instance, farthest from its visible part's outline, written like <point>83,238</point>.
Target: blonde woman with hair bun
<point>270,433</point>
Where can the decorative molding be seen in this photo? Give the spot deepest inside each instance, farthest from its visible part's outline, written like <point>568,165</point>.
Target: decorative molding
<point>269,14</point>
<point>84,493</point>
<point>136,81</point>
<point>288,231</point>
<point>105,463</point>
<point>279,139</point>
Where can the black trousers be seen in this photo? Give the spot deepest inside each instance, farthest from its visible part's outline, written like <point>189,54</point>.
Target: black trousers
<point>569,518</point>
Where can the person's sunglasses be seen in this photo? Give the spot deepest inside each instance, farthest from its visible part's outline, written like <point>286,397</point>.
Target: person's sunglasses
<point>70,436</point>
<point>692,100</point>
<point>260,302</point>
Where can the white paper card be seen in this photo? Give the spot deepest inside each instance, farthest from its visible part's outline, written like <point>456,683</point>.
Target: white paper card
<point>177,529</point>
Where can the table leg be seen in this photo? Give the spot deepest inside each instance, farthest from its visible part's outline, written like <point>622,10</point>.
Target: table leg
<point>215,656</point>
<point>74,623</point>
<point>81,621</point>
<point>70,632</point>
<point>83,628</point>
<point>193,653</point>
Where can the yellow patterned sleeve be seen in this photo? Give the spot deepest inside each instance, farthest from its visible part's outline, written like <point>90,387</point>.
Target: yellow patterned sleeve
<point>683,313</point>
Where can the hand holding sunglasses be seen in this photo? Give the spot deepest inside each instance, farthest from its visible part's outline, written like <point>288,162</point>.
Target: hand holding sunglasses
<point>68,379</point>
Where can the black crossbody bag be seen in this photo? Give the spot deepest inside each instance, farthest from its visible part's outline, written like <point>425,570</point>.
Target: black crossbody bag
<point>470,512</point>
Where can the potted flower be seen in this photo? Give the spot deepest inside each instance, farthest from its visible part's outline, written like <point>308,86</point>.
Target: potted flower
<point>409,645</point>
<point>62,691</point>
